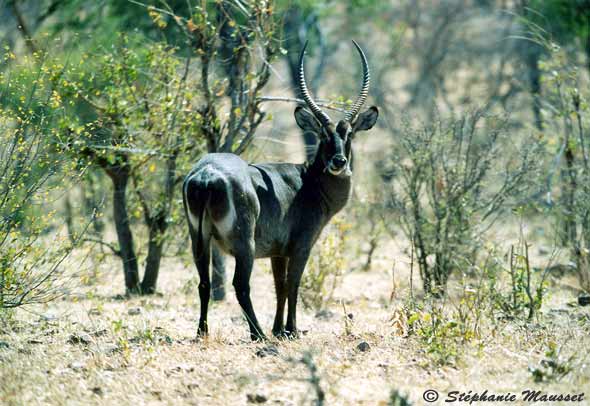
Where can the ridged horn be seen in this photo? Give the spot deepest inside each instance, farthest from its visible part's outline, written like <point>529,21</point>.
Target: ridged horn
<point>356,106</point>
<point>315,109</point>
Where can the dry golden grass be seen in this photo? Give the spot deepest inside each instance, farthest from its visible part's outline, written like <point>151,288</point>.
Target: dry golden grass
<point>96,348</point>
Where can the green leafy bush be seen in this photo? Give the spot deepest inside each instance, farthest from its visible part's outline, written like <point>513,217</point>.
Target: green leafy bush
<point>31,166</point>
<point>145,111</point>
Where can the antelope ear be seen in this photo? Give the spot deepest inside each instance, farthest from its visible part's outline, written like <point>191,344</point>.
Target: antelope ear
<point>366,120</point>
<point>307,122</point>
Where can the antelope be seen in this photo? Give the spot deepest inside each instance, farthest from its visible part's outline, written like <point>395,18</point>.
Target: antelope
<point>273,210</point>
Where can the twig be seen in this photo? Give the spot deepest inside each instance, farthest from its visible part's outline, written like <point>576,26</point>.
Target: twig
<point>138,151</point>
<point>412,271</point>
<point>528,281</point>
<point>512,277</point>
<point>328,105</point>
<point>23,28</point>
<point>393,288</point>
<point>314,378</point>
<point>114,250</point>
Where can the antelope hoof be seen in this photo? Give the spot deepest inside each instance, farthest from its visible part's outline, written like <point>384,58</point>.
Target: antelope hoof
<point>202,331</point>
<point>218,294</point>
<point>258,338</point>
<point>280,334</point>
<point>291,335</point>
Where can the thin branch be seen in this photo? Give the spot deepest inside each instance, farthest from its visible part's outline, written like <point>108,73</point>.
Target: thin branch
<point>327,105</point>
<point>110,246</point>
<point>23,28</point>
<point>148,218</point>
<point>137,151</point>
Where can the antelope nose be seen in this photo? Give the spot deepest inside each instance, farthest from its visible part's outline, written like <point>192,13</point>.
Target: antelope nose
<point>339,161</point>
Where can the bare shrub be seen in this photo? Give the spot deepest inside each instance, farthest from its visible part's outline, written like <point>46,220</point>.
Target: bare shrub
<point>366,213</point>
<point>566,102</point>
<point>449,181</point>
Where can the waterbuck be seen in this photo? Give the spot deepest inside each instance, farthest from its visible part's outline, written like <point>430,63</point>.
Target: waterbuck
<point>275,210</point>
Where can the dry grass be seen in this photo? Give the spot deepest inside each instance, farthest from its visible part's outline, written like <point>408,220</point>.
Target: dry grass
<point>92,348</point>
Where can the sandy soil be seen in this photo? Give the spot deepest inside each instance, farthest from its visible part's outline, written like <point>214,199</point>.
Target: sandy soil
<point>96,347</point>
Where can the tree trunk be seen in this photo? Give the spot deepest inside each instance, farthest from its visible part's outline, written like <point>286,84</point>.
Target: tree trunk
<point>23,28</point>
<point>120,178</point>
<point>427,283</point>
<point>157,228</point>
<point>531,53</point>
<point>534,73</point>
<point>587,46</point>
<point>438,279</point>
<point>569,191</point>
<point>69,218</point>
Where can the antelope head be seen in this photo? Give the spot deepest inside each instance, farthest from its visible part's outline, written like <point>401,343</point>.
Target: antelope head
<point>335,148</point>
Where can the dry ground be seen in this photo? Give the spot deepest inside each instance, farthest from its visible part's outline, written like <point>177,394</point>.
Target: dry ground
<point>98,348</point>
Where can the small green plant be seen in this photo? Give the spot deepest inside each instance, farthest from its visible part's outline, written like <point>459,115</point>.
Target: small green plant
<point>526,292</point>
<point>324,270</point>
<point>124,348</point>
<point>118,326</point>
<point>151,336</point>
<point>444,327</point>
<point>469,310</point>
<point>397,399</point>
<point>441,335</point>
<point>553,367</point>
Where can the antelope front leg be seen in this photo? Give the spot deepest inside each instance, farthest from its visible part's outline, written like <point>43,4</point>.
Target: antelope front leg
<point>294,272</point>
<point>279,271</point>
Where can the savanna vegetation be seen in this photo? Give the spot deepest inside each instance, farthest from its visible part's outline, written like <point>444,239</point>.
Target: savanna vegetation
<point>461,262</point>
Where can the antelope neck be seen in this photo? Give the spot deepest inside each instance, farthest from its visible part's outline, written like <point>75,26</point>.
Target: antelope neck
<point>334,190</point>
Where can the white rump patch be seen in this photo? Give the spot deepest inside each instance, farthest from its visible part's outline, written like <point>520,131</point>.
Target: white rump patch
<point>193,219</point>
<point>225,226</point>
